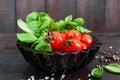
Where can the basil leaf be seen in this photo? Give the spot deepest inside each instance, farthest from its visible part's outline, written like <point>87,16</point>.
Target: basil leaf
<point>32,17</point>
<point>53,26</point>
<point>24,26</point>
<point>82,29</point>
<point>97,72</point>
<point>43,46</point>
<point>113,68</point>
<point>79,21</point>
<point>72,23</point>
<point>43,16</point>
<point>26,37</point>
<point>34,25</point>
<point>68,18</point>
<point>45,26</point>
<point>45,20</point>
<point>61,23</point>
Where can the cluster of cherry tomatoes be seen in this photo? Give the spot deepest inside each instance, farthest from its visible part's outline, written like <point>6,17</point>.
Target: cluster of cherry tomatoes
<point>72,40</point>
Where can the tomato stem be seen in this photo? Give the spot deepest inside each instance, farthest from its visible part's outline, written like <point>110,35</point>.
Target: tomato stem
<point>69,42</point>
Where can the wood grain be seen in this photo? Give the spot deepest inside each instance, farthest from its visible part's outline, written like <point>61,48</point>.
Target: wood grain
<point>93,11</point>
<point>23,7</point>
<point>100,15</point>
<point>7,16</point>
<point>59,9</point>
<point>112,18</point>
<point>65,8</point>
<point>51,8</point>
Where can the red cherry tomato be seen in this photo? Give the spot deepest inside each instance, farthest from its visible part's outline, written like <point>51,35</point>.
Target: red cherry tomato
<point>57,41</point>
<point>73,34</point>
<point>73,45</point>
<point>84,46</point>
<point>87,39</point>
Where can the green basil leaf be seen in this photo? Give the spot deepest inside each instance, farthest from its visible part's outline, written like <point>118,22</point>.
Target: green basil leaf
<point>45,20</point>
<point>43,46</point>
<point>113,68</point>
<point>83,30</point>
<point>24,26</point>
<point>26,37</point>
<point>34,25</point>
<point>53,26</point>
<point>32,17</point>
<point>68,18</point>
<point>79,21</point>
<point>45,26</point>
<point>61,23</point>
<point>97,72</point>
<point>44,16</point>
<point>72,23</point>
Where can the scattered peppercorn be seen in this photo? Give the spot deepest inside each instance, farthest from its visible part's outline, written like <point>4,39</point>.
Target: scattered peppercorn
<point>108,56</point>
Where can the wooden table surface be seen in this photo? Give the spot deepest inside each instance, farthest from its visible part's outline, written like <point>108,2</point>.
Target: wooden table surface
<point>14,67</point>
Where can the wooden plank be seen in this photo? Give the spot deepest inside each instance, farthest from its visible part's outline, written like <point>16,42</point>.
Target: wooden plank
<point>112,18</point>
<point>23,7</point>
<point>93,11</point>
<point>52,8</point>
<point>7,16</point>
<point>59,9</point>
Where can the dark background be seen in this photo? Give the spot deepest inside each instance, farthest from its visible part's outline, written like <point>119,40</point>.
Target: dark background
<point>101,16</point>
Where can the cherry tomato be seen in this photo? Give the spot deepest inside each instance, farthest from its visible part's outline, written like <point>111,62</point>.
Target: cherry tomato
<point>73,34</point>
<point>56,40</point>
<point>73,45</point>
<point>84,46</point>
<point>87,39</point>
